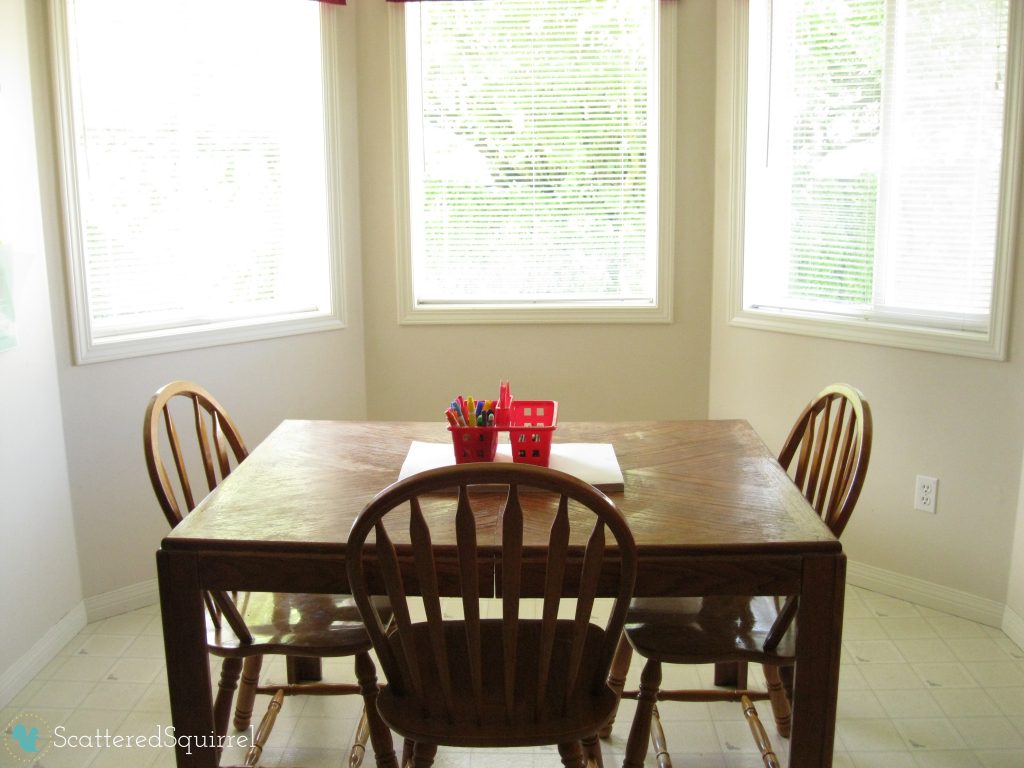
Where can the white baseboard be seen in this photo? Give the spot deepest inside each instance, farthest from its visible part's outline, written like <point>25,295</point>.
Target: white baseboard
<point>49,645</point>
<point>122,600</point>
<point>21,673</point>
<point>920,592</point>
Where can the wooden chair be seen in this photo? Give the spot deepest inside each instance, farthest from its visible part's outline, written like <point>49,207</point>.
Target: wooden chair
<point>492,682</point>
<point>831,444</point>
<point>243,627</point>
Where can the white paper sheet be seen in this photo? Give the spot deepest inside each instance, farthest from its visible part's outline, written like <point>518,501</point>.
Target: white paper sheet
<point>594,463</point>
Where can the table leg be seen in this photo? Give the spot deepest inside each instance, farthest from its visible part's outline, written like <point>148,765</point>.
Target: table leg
<point>731,674</point>
<point>188,666</point>
<point>819,640</point>
<point>302,669</point>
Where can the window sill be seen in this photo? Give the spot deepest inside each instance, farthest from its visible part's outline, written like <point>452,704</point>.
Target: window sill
<point>524,315</point>
<point>181,339</point>
<point>990,346</point>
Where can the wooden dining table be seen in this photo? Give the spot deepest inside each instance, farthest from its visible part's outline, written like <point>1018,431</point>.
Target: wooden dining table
<point>711,511</point>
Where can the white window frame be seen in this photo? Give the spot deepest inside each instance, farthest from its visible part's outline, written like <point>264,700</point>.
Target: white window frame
<point>409,313</point>
<point>88,349</point>
<point>990,344</point>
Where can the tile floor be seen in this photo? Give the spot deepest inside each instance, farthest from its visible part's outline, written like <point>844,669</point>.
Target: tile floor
<point>919,689</point>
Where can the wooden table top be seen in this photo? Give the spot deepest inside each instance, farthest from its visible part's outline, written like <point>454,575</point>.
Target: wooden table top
<point>691,487</point>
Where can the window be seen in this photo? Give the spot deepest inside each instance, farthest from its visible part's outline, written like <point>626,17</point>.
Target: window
<point>197,172</point>
<point>878,190</point>
<point>536,133</point>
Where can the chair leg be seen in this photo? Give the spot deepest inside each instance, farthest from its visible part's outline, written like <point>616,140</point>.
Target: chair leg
<point>780,704</point>
<point>764,744</point>
<point>592,752</point>
<point>658,740</point>
<point>380,734</point>
<point>423,755</point>
<point>358,751</point>
<point>572,755</point>
<point>230,669</point>
<point>252,757</point>
<point>247,691</point>
<point>786,673</point>
<point>617,679</point>
<point>639,733</point>
<point>408,745</point>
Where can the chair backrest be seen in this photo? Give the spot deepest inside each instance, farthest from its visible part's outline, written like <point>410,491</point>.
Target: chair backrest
<point>210,445</point>
<point>403,557</point>
<point>211,442</point>
<point>831,442</point>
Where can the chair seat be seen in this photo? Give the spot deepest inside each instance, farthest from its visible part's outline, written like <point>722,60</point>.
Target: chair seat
<point>705,630</point>
<point>296,624</point>
<point>426,720</point>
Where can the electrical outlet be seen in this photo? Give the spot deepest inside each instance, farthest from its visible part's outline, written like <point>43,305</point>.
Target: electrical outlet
<point>925,491</point>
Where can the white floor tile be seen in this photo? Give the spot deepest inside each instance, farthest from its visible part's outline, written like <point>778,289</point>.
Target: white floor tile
<point>929,734</point>
<point>918,689</point>
<point>907,627</point>
<point>989,733</point>
<point>874,652</point>
<point>977,649</point>
<point>889,607</point>
<point>1001,758</point>
<point>859,704</point>
<point>879,735</point>
<point>910,703</point>
<point>948,759</point>
<point>932,650</point>
<point>886,677</point>
<point>945,675</point>
<point>996,674</point>
<point>882,760</point>
<point>965,702</point>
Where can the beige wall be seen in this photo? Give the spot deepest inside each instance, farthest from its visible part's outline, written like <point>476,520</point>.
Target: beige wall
<point>955,418</point>
<point>594,371</point>
<point>38,561</point>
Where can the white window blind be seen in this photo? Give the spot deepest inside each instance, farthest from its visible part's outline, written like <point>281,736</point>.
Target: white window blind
<point>874,160</point>
<point>533,131</point>
<point>195,165</point>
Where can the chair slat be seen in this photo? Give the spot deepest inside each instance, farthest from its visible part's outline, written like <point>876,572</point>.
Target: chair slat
<point>511,576</point>
<point>465,532</point>
<point>841,463</point>
<point>817,454</point>
<point>829,459</point>
<point>426,576</point>
<point>220,447</point>
<point>204,445</point>
<point>558,544</point>
<point>592,562</point>
<point>408,668</point>
<point>179,461</point>
<point>806,443</point>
